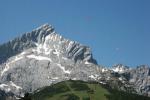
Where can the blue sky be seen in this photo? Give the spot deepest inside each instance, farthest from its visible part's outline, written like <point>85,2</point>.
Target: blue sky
<point>118,31</point>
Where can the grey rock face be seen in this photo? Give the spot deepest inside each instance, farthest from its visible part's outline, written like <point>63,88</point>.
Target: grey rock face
<point>6,96</point>
<point>140,77</point>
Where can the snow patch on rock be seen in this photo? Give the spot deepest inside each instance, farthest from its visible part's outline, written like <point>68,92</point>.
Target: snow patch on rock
<point>63,68</point>
<point>39,57</point>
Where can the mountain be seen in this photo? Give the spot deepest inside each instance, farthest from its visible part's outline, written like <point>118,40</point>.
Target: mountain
<point>43,57</point>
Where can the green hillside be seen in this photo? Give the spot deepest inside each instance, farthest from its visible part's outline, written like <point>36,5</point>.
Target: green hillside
<point>79,90</point>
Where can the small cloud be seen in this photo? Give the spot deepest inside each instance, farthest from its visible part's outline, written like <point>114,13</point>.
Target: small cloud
<point>117,49</point>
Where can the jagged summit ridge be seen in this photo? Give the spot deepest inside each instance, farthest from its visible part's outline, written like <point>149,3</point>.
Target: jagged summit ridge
<point>38,35</point>
<point>49,40</point>
<point>45,39</point>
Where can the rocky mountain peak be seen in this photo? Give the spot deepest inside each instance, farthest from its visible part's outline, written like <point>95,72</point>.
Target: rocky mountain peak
<point>38,35</point>
<point>24,42</point>
<point>120,68</point>
<point>45,39</point>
